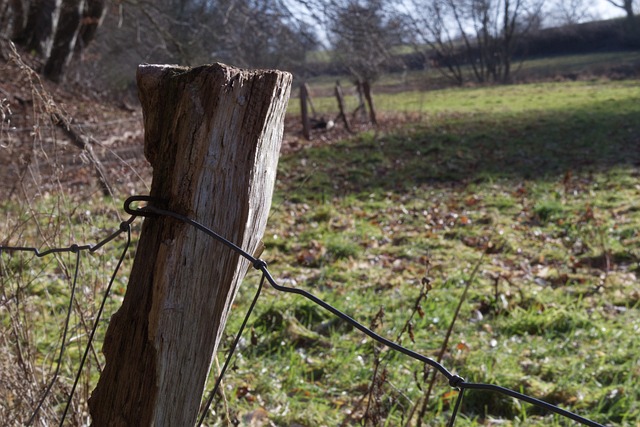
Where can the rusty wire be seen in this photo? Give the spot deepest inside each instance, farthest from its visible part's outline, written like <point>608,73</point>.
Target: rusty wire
<point>151,210</point>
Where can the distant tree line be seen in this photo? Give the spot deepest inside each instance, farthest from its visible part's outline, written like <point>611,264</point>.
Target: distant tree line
<point>587,37</point>
<point>463,39</point>
<point>256,33</point>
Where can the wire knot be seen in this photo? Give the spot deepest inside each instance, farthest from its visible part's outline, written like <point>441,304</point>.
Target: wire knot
<point>456,381</point>
<point>259,264</point>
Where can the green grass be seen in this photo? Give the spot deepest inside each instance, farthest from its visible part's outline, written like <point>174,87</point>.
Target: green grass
<point>598,96</point>
<point>587,65</point>
<point>542,179</point>
<point>397,93</point>
<point>35,295</point>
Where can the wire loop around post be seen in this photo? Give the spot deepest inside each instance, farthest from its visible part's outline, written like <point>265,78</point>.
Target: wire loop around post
<point>140,211</point>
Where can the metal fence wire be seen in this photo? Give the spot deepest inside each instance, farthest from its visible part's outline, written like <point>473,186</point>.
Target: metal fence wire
<point>153,209</point>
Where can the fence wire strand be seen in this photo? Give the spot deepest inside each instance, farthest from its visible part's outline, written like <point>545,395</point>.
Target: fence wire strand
<point>75,249</point>
<point>232,350</point>
<point>63,344</point>
<point>124,227</point>
<point>153,209</point>
<point>455,381</point>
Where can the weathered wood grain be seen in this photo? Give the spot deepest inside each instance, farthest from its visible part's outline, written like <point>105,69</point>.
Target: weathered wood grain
<point>212,135</point>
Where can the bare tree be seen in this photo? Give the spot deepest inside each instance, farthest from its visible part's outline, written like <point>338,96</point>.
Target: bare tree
<point>570,12</point>
<point>428,23</point>
<point>362,34</point>
<point>250,33</point>
<point>480,34</point>
<point>631,29</point>
<point>264,33</point>
<point>626,5</point>
<point>360,38</point>
<point>245,33</point>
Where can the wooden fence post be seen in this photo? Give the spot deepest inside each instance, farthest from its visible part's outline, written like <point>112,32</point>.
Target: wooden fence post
<point>366,88</point>
<point>343,114</point>
<point>212,135</point>
<point>304,111</point>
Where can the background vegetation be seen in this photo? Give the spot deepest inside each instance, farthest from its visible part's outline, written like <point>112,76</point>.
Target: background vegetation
<point>518,202</point>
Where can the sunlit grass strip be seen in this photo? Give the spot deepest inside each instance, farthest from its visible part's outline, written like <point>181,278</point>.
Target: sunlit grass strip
<point>512,99</point>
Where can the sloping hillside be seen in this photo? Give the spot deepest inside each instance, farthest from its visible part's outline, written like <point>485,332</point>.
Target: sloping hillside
<point>48,132</point>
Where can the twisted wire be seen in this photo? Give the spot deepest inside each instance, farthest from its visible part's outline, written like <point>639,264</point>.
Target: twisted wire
<point>152,209</point>
<point>75,249</point>
<point>455,381</point>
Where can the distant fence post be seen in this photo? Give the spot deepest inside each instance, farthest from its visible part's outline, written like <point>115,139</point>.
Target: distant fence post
<point>343,114</point>
<point>304,111</point>
<point>212,135</point>
<point>366,88</point>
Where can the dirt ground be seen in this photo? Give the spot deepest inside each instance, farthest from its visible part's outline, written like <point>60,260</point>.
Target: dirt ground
<point>37,152</point>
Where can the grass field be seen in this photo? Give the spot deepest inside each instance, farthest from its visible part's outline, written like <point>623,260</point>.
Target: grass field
<point>526,195</point>
<point>591,66</point>
<point>510,99</point>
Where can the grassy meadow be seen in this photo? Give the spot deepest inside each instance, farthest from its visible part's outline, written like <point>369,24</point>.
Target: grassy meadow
<point>519,203</point>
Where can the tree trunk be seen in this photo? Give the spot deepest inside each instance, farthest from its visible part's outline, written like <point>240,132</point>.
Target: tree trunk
<point>626,5</point>
<point>64,39</point>
<point>38,29</point>
<point>212,135</point>
<point>91,20</point>
<point>12,18</point>
<point>631,35</point>
<point>628,8</point>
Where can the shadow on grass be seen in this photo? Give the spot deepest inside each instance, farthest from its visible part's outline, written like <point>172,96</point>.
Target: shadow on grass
<point>471,148</point>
